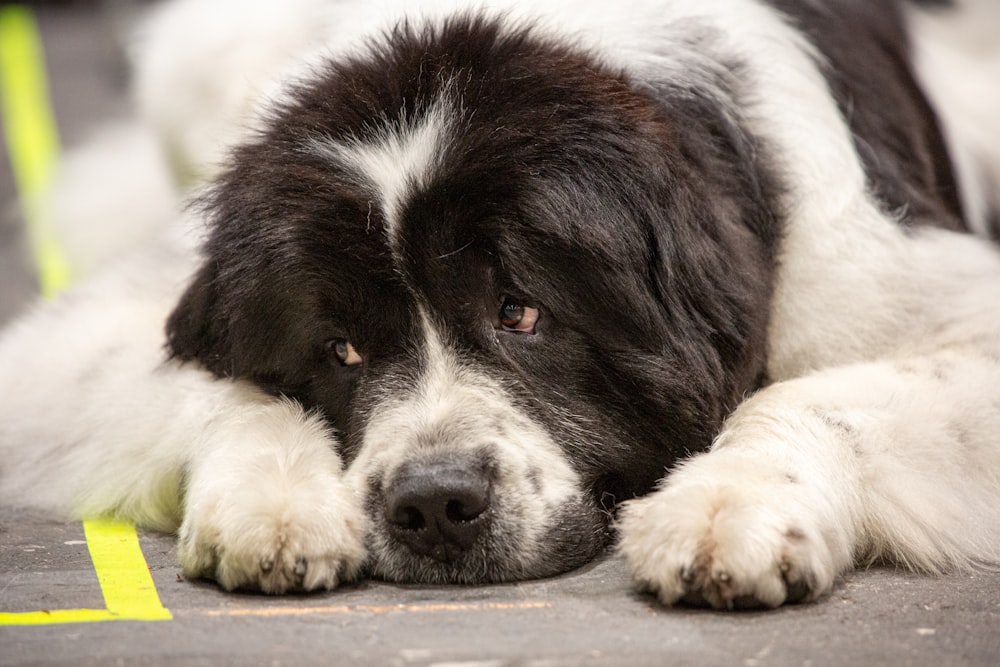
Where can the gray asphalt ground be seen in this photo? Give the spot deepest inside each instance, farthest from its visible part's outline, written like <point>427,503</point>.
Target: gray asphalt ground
<point>588,617</point>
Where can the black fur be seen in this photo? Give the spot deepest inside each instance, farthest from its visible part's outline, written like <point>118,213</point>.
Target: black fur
<point>867,64</point>
<point>643,224</point>
<point>640,227</point>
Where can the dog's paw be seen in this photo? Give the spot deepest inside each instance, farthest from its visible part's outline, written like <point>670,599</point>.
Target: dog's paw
<point>268,510</point>
<point>311,539</point>
<point>706,539</point>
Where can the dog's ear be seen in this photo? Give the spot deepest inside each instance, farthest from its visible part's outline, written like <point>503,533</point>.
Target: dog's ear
<point>197,329</point>
<point>716,248</point>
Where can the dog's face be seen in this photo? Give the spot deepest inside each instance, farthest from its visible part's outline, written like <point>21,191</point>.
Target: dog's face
<point>518,288</point>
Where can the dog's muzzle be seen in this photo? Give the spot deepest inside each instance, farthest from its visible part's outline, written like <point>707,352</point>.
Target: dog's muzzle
<point>438,507</point>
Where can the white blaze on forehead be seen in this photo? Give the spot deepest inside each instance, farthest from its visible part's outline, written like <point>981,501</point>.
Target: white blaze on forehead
<point>443,381</point>
<point>395,159</point>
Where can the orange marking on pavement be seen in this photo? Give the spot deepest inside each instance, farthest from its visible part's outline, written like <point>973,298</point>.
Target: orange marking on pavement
<point>364,609</point>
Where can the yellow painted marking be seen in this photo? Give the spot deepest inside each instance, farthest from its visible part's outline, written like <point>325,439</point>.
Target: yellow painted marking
<point>56,616</point>
<point>127,586</point>
<point>368,609</point>
<point>31,137</point>
<point>33,144</point>
<point>128,589</point>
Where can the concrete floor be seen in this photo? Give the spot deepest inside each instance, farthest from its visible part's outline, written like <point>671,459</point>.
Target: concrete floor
<point>589,617</point>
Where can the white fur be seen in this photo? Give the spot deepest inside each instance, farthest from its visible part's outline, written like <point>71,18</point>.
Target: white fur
<point>266,506</point>
<point>893,460</point>
<point>95,420</point>
<point>877,441</point>
<point>98,225</point>
<point>397,162</point>
<point>204,70</point>
<point>851,287</point>
<point>475,414</point>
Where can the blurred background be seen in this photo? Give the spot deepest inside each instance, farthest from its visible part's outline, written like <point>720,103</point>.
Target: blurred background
<point>83,46</point>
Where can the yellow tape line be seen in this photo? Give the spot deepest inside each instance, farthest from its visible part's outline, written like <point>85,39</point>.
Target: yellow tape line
<point>121,568</point>
<point>33,143</point>
<point>128,588</point>
<point>31,137</point>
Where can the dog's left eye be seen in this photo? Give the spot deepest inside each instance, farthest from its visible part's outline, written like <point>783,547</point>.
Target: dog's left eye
<point>342,350</point>
<point>518,318</point>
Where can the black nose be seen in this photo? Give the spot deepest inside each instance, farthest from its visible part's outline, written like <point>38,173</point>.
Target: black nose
<point>439,507</point>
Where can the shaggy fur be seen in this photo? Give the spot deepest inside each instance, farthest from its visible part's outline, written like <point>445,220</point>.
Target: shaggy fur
<point>479,275</point>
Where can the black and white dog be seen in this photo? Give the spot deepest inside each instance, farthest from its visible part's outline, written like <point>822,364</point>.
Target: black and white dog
<point>482,272</point>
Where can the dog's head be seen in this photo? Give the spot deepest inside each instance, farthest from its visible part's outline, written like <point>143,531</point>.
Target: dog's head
<point>517,283</point>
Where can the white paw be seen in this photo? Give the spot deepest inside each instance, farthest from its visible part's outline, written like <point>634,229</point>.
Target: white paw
<point>270,512</point>
<point>730,538</point>
<point>310,539</point>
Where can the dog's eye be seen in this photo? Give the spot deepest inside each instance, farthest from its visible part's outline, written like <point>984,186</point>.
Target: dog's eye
<point>342,350</point>
<point>517,318</point>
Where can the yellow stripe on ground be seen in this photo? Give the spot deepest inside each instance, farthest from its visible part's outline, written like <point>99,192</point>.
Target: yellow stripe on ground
<point>33,144</point>
<point>57,616</point>
<point>128,589</point>
<point>31,137</point>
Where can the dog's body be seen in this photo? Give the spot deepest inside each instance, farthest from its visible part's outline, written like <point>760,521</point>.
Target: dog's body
<point>522,262</point>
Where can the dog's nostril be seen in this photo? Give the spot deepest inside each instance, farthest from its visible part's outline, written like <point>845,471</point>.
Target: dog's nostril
<point>409,518</point>
<point>456,510</point>
<point>465,510</point>
<point>438,508</point>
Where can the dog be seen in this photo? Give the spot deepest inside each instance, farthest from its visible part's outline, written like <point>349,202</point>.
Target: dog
<point>474,290</point>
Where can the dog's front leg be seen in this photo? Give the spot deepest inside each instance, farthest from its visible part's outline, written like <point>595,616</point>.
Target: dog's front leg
<point>100,423</point>
<point>265,504</point>
<point>893,460</point>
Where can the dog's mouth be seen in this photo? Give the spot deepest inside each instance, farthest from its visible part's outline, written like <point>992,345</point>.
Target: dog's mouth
<point>439,523</point>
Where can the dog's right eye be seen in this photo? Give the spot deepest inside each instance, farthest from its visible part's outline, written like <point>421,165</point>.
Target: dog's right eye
<point>343,352</point>
<point>518,318</point>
